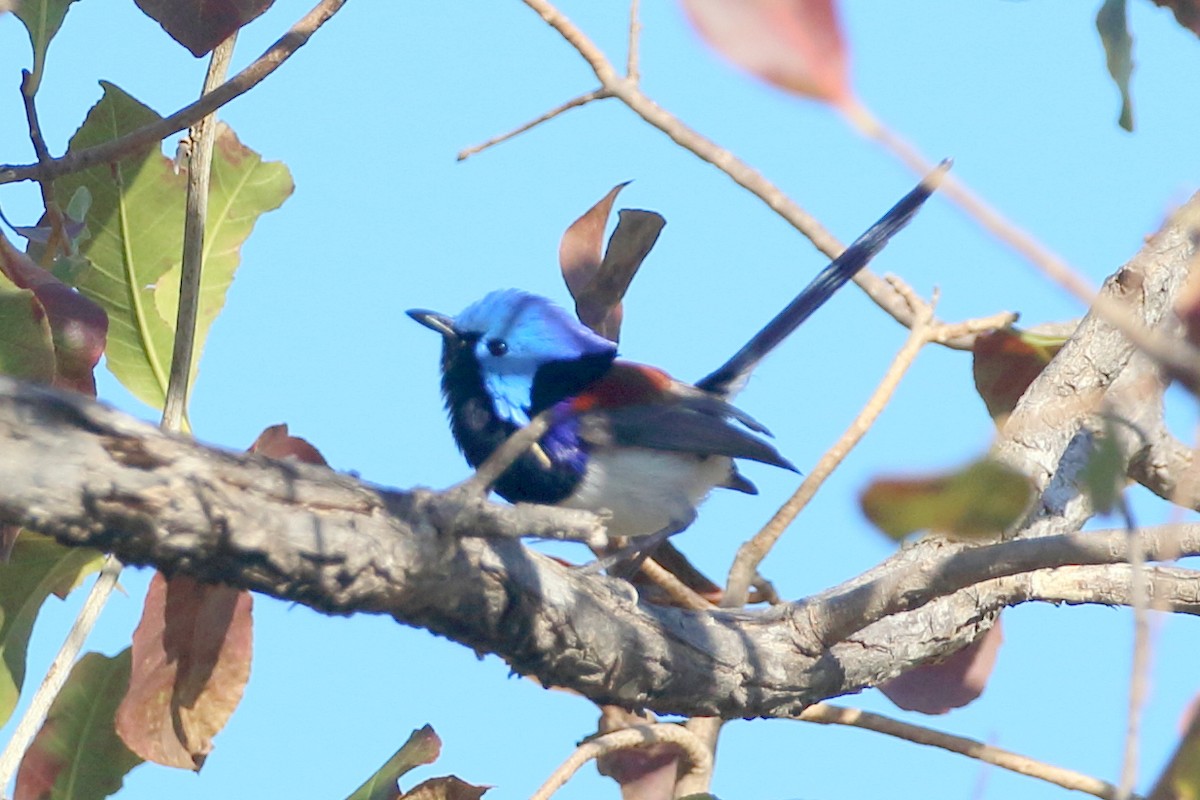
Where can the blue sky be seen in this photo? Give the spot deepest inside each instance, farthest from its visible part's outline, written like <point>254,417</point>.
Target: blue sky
<point>369,117</point>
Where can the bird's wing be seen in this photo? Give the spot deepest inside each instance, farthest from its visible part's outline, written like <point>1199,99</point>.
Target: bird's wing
<point>680,426</point>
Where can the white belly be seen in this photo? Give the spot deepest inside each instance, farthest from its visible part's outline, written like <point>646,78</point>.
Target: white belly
<point>644,490</point>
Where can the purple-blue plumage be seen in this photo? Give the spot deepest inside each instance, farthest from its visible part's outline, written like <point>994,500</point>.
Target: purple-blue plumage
<point>626,440</point>
<point>518,333</point>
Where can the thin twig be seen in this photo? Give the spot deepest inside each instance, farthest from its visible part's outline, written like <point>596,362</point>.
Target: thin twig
<point>635,35</point>
<point>679,592</point>
<point>58,672</point>
<point>576,102</point>
<point>695,754</point>
<point>708,731</point>
<point>28,91</point>
<point>752,552</point>
<point>826,714</point>
<point>58,234</point>
<point>201,137</point>
<point>1173,353</point>
<point>503,456</point>
<point>1140,667</point>
<point>296,37</point>
<point>627,91</point>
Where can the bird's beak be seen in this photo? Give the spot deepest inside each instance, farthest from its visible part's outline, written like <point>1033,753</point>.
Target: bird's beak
<point>434,321</point>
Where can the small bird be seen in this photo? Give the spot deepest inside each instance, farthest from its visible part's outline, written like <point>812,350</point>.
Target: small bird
<point>625,440</point>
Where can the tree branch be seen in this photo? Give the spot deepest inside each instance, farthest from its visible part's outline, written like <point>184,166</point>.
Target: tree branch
<point>89,475</point>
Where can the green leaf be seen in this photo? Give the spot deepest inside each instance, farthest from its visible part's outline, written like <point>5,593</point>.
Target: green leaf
<point>243,187</point>
<point>135,221</point>
<point>26,347</point>
<point>978,501</point>
<point>42,18</point>
<point>1180,779</point>
<point>1113,25</point>
<point>422,747</point>
<point>136,238</point>
<point>37,567</point>
<point>1104,476</point>
<point>77,754</point>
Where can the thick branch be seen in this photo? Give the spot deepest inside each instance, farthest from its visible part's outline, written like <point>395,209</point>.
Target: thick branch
<point>1050,435</point>
<point>89,475</point>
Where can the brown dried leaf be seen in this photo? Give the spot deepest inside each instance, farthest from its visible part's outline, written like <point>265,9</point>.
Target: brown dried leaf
<point>447,788</point>
<point>191,661</point>
<point>581,250</point>
<point>201,25</point>
<point>1187,13</point>
<point>796,45</point>
<point>598,305</point>
<point>598,278</point>
<point>938,688</point>
<point>275,442</point>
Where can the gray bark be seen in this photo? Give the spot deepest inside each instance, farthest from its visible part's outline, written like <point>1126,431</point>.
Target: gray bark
<point>452,563</point>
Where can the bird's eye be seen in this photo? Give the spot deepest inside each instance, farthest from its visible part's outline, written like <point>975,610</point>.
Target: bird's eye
<point>497,347</point>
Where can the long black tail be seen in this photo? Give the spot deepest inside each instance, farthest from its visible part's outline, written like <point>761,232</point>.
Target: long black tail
<point>730,375</point>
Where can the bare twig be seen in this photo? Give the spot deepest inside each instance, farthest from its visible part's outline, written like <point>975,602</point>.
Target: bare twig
<point>680,593</point>
<point>695,754</point>
<point>58,235</point>
<point>503,456</point>
<point>296,37</point>
<point>576,102</point>
<point>201,136</point>
<point>708,731</point>
<point>635,34</point>
<point>1140,667</point>
<point>1173,353</point>
<point>752,552</point>
<point>626,90</point>
<point>826,714</point>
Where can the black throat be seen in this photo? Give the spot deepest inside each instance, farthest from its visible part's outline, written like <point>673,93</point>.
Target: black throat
<point>547,478</point>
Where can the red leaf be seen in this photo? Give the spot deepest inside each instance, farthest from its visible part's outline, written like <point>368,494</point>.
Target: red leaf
<point>201,25</point>
<point>78,326</point>
<point>191,661</point>
<point>274,442</point>
<point>1005,362</point>
<point>796,45</point>
<point>597,278</point>
<point>446,788</point>
<point>938,688</point>
<point>1187,13</point>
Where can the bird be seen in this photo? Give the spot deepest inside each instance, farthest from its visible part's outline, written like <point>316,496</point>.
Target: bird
<point>625,440</point>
